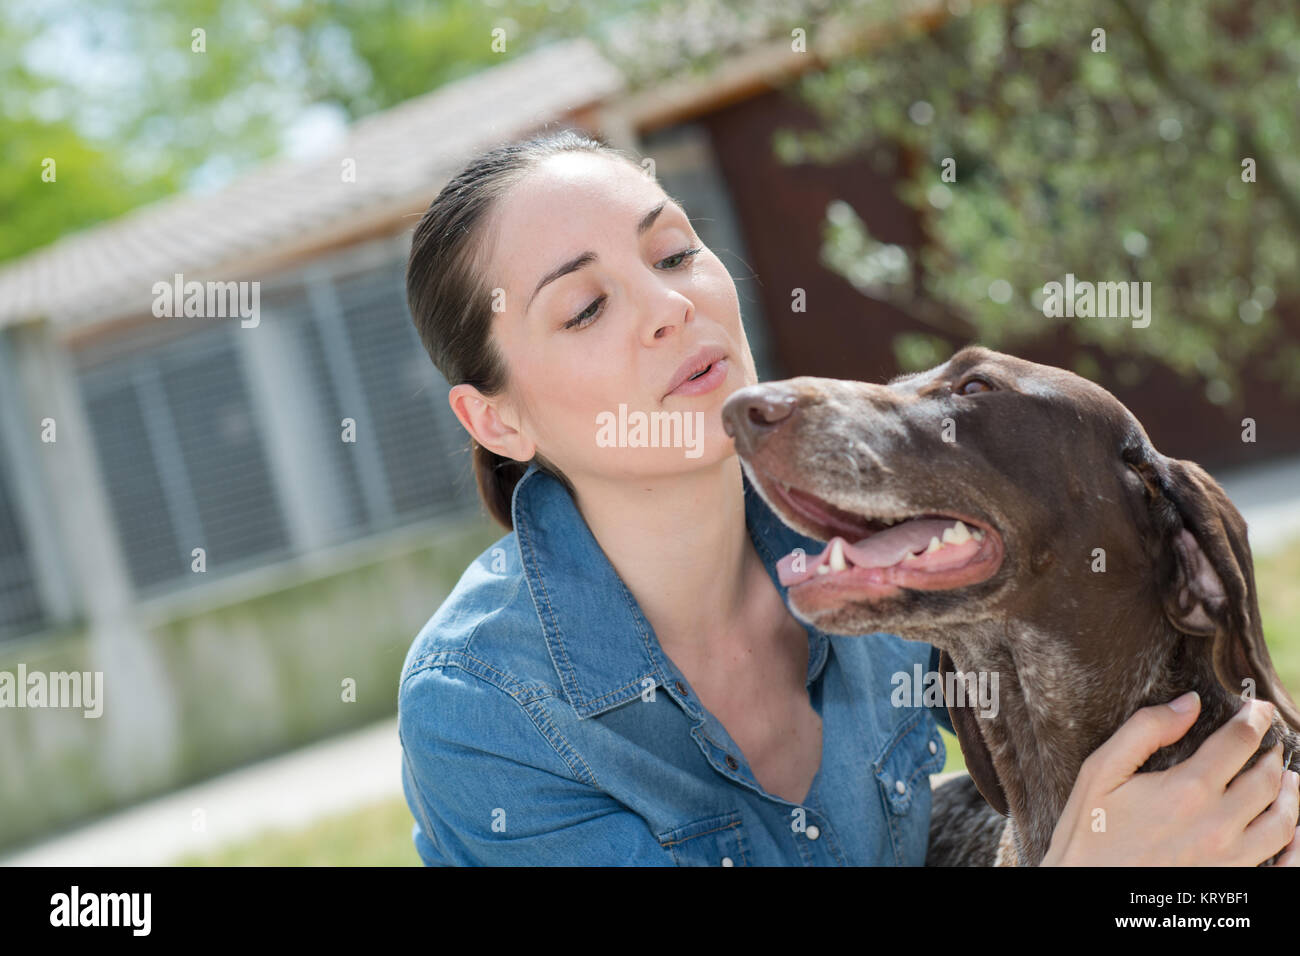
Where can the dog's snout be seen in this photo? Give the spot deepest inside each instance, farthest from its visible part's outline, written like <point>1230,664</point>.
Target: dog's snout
<point>763,411</point>
<point>752,414</point>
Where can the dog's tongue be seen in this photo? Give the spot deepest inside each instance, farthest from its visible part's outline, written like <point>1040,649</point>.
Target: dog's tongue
<point>880,550</point>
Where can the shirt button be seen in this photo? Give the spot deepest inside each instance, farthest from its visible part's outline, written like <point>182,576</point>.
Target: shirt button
<point>934,748</point>
<point>813,832</point>
<point>900,786</point>
<point>731,762</point>
<point>681,689</point>
<point>726,861</point>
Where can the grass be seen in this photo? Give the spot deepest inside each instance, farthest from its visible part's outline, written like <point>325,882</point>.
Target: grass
<point>1277,578</point>
<point>955,761</point>
<point>377,835</point>
<point>380,835</point>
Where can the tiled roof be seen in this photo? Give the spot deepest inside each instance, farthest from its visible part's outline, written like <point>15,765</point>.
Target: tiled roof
<point>403,155</point>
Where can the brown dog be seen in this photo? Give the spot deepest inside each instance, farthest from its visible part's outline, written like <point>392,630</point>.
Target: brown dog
<point>1017,517</point>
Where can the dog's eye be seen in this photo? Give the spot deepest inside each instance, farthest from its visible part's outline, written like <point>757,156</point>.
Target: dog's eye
<point>973,385</point>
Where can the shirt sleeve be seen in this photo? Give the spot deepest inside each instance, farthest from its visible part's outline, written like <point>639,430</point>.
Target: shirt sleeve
<point>488,788</point>
<point>940,711</point>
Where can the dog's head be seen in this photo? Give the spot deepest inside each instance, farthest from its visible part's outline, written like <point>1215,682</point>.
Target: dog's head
<point>991,489</point>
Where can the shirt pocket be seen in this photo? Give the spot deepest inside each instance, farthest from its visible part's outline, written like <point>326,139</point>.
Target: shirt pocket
<point>712,841</point>
<point>902,770</point>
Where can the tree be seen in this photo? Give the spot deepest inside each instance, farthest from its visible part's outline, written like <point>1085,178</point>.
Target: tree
<point>137,99</point>
<point>1163,150</point>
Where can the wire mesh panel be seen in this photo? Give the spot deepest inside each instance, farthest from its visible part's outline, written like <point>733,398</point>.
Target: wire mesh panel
<point>405,395</point>
<point>20,605</point>
<point>126,461</point>
<point>180,452</point>
<point>207,397</point>
<point>183,431</point>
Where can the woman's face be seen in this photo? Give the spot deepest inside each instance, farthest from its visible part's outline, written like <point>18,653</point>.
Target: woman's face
<point>615,328</point>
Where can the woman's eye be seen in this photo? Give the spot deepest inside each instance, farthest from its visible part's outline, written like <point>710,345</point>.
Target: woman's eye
<point>586,316</point>
<point>973,385</point>
<point>589,314</point>
<point>683,255</point>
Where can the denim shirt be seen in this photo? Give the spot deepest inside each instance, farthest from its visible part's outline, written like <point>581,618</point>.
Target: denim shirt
<point>541,723</point>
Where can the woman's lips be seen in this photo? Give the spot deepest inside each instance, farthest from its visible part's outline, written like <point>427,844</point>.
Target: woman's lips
<point>707,382</point>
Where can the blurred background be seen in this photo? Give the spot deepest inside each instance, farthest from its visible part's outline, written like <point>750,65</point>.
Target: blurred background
<point>886,182</point>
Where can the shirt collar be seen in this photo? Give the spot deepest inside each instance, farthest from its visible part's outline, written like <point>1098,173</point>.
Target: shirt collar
<point>602,645</point>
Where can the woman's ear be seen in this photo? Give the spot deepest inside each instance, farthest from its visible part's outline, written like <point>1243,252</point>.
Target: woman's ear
<point>496,429</point>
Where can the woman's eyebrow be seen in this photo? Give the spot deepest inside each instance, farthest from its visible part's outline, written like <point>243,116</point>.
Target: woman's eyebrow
<point>582,259</point>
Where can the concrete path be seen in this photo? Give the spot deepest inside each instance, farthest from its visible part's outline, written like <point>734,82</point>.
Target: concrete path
<point>1268,497</point>
<point>289,792</point>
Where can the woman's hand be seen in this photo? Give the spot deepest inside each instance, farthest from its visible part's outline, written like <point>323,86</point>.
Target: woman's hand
<point>1186,815</point>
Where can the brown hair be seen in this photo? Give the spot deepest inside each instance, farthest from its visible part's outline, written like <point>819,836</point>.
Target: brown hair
<point>450,301</point>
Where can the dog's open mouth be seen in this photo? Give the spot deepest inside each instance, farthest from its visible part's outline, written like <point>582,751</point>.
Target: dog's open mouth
<point>873,556</point>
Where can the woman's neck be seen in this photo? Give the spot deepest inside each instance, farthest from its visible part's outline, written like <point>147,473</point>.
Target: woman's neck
<point>682,547</point>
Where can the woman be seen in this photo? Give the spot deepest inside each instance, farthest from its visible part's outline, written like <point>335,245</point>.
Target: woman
<point>619,680</point>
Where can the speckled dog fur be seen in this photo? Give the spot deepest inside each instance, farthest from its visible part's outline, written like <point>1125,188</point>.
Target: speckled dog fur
<point>1063,472</point>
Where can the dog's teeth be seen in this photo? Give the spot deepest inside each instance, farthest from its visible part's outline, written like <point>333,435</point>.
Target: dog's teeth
<point>977,534</point>
<point>934,546</point>
<point>837,556</point>
<point>957,534</point>
<point>822,569</point>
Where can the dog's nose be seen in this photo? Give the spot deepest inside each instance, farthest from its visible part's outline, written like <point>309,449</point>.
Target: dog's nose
<point>751,414</point>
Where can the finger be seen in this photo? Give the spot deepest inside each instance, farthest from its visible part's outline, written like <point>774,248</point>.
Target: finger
<point>1222,754</point>
<point>1255,790</point>
<point>1274,829</point>
<point>1149,729</point>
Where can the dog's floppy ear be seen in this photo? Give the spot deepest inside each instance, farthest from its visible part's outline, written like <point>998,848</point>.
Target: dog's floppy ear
<point>1207,578</point>
<point>979,762</point>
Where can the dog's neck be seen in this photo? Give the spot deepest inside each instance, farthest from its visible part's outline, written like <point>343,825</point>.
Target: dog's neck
<point>1053,711</point>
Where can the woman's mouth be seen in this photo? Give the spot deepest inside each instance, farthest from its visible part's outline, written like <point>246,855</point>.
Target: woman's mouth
<point>703,381</point>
